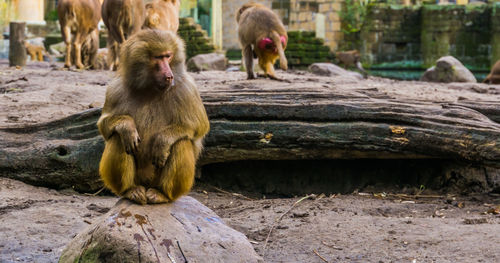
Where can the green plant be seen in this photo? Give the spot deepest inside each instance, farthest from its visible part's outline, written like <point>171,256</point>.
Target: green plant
<point>51,16</point>
<point>353,15</point>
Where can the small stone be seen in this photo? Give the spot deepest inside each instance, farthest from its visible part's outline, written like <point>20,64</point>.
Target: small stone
<point>329,69</point>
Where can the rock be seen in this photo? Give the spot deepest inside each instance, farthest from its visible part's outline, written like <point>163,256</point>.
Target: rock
<point>160,233</point>
<point>57,49</point>
<point>233,69</point>
<point>37,41</point>
<point>204,62</point>
<point>95,104</point>
<point>448,69</point>
<point>329,69</point>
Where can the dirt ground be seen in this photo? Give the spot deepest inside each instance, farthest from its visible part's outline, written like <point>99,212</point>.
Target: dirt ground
<point>358,227</point>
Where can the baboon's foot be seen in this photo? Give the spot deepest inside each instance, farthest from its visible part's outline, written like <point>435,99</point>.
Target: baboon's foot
<point>155,197</point>
<point>250,76</point>
<point>273,77</point>
<point>137,194</point>
<point>80,66</point>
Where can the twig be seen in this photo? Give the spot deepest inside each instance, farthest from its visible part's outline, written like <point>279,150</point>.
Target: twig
<point>331,246</point>
<point>185,259</point>
<point>282,215</point>
<point>229,193</point>
<point>171,258</point>
<point>96,193</point>
<point>322,258</point>
<point>415,196</point>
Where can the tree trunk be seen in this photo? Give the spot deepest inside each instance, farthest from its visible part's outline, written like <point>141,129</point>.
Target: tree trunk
<point>17,50</point>
<point>312,118</point>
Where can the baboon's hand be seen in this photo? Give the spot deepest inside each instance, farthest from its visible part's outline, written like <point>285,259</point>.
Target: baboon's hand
<point>160,150</point>
<point>130,138</point>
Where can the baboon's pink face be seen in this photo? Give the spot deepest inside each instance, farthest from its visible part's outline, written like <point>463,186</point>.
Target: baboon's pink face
<point>163,73</point>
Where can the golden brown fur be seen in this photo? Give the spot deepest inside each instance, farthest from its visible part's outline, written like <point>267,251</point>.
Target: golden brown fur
<point>351,58</point>
<point>153,135</point>
<point>494,76</point>
<point>34,51</point>
<point>123,18</point>
<point>78,19</point>
<point>162,14</point>
<point>89,50</point>
<point>256,22</point>
<point>102,59</point>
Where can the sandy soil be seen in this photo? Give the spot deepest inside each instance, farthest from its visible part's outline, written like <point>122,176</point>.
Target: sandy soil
<point>361,227</point>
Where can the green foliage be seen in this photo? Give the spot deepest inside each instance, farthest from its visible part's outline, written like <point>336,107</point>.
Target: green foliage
<point>51,16</point>
<point>353,15</point>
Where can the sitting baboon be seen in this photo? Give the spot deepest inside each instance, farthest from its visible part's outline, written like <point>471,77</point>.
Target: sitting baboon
<point>153,121</point>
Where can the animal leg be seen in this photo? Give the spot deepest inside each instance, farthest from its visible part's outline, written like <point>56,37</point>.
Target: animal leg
<point>66,31</point>
<point>248,57</point>
<point>118,170</point>
<point>177,176</point>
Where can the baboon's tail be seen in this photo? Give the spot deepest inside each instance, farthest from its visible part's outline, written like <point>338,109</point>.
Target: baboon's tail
<point>280,43</point>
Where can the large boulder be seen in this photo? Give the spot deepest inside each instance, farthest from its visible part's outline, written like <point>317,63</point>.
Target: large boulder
<point>329,69</point>
<point>204,62</point>
<point>448,69</point>
<point>182,231</point>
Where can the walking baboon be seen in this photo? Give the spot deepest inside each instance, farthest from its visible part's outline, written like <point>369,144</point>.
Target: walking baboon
<point>261,33</point>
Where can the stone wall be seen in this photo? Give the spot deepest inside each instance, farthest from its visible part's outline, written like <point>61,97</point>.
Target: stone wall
<point>391,33</point>
<point>321,16</point>
<point>197,41</point>
<point>461,31</point>
<point>415,37</point>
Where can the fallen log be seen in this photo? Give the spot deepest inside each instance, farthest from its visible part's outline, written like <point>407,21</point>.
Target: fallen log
<point>312,118</point>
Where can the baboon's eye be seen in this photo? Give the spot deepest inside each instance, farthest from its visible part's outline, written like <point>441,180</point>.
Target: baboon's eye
<point>166,55</point>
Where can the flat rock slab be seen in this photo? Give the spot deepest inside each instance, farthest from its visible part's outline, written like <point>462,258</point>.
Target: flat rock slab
<point>183,231</point>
